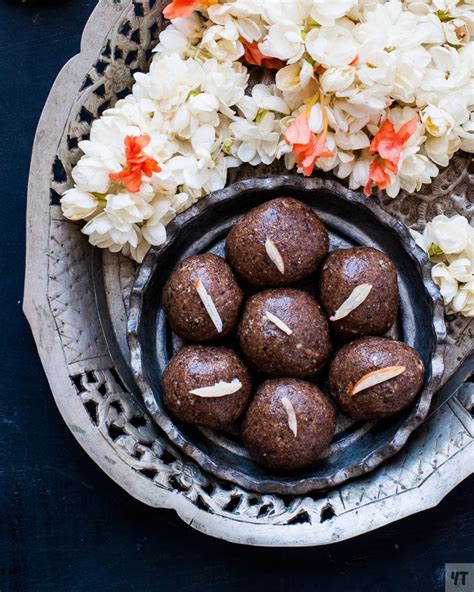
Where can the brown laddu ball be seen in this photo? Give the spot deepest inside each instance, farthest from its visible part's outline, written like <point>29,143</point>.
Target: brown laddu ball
<point>185,310</point>
<point>196,378</point>
<point>288,424</point>
<point>277,243</point>
<point>371,358</point>
<point>283,332</point>
<point>346,269</point>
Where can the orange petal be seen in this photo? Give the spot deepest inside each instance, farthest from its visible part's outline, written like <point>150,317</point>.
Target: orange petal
<point>131,179</point>
<point>368,188</point>
<point>180,8</point>
<point>390,150</point>
<point>391,166</point>
<point>386,132</point>
<point>254,57</point>
<point>379,176</point>
<point>299,132</point>
<point>407,130</point>
<point>150,166</point>
<point>252,54</point>
<point>272,63</point>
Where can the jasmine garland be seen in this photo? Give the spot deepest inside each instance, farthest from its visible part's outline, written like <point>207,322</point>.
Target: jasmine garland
<point>379,93</point>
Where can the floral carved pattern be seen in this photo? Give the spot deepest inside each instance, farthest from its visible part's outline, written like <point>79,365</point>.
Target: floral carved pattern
<point>111,413</point>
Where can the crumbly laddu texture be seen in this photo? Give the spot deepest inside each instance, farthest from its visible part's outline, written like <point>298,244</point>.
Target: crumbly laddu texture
<point>198,366</point>
<point>365,355</point>
<point>184,308</point>
<point>345,269</point>
<point>265,429</point>
<point>271,350</point>
<point>296,231</point>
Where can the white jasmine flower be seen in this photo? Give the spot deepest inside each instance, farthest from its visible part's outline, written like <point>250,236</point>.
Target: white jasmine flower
<point>188,171</point>
<point>466,135</point>
<point>450,235</point>
<point>352,141</point>
<point>286,11</point>
<point>242,16</point>
<point>284,41</point>
<point>103,233</point>
<point>226,81</point>
<point>461,269</point>
<point>331,46</point>
<point>441,150</point>
<point>297,83</point>
<point>421,239</point>
<point>438,122</point>
<point>172,41</point>
<point>337,79</point>
<point>414,170</point>
<point>268,99</point>
<point>91,175</point>
<point>326,13</point>
<point>450,69</point>
<point>222,42</point>
<point>125,209</point>
<point>169,81</point>
<point>256,142</point>
<point>295,76</point>
<point>360,172</point>
<point>190,26</point>
<point>443,278</point>
<point>457,32</point>
<point>154,229</point>
<point>203,141</point>
<point>77,204</point>
<point>315,120</point>
<point>463,301</point>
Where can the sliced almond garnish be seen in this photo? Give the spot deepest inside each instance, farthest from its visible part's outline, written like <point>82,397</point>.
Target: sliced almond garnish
<point>290,411</point>
<point>376,377</point>
<point>209,305</point>
<point>278,322</point>
<point>355,299</point>
<point>219,389</point>
<point>274,255</point>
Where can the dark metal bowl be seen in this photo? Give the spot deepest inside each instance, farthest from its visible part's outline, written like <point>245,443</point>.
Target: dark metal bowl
<point>351,220</point>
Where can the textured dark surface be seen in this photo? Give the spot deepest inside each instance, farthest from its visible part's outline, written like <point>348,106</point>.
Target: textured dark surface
<point>64,525</point>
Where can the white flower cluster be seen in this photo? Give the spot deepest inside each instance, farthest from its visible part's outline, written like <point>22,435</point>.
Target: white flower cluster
<point>378,92</point>
<point>450,244</point>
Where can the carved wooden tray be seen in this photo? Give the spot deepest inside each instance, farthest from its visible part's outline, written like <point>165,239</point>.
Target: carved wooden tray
<point>82,340</point>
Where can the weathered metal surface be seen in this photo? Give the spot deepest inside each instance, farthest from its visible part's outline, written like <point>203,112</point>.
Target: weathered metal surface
<point>105,415</point>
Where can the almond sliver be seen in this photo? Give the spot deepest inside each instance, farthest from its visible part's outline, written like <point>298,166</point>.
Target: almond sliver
<point>290,411</point>
<point>274,255</point>
<point>355,299</point>
<point>209,305</point>
<point>376,377</point>
<point>219,389</point>
<point>278,322</point>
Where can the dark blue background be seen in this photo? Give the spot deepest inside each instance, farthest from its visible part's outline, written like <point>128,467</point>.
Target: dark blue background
<point>66,527</point>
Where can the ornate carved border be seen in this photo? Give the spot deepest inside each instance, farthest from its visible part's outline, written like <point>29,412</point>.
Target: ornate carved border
<point>107,419</point>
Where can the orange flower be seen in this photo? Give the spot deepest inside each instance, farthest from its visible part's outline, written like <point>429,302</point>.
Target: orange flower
<point>378,175</point>
<point>388,144</point>
<point>307,146</point>
<point>299,132</point>
<point>180,8</point>
<point>138,163</point>
<point>255,57</point>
